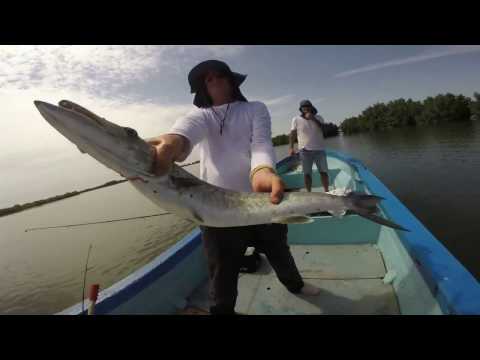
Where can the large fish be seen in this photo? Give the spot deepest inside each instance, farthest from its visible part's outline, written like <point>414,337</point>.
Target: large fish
<point>122,150</point>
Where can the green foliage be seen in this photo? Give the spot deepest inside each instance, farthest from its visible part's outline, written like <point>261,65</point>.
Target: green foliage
<point>436,110</point>
<point>330,130</point>
<point>280,140</point>
<point>475,106</point>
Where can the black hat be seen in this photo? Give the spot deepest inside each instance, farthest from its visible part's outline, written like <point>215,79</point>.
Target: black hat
<point>197,75</point>
<point>307,103</point>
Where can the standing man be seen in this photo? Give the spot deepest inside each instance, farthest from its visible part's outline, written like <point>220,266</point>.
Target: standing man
<point>308,129</point>
<point>236,152</point>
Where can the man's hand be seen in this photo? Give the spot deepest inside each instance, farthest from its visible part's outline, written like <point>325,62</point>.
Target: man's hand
<point>167,149</point>
<point>312,117</point>
<point>265,180</point>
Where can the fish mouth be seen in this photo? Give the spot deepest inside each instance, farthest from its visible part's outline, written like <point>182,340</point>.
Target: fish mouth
<point>42,105</point>
<point>70,111</point>
<point>117,147</point>
<point>48,111</point>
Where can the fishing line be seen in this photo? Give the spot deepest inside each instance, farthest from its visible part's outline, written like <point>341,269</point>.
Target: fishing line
<point>97,222</point>
<point>106,221</point>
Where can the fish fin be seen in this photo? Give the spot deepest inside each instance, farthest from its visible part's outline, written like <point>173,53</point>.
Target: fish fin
<point>293,219</point>
<point>326,213</point>
<point>337,213</point>
<point>292,189</point>
<point>362,197</point>
<point>380,220</point>
<point>198,218</point>
<point>365,205</point>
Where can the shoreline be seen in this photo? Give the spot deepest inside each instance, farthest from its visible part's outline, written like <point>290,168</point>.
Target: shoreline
<point>18,208</point>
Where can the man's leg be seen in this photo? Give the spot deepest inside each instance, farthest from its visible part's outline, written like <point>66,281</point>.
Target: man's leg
<point>272,239</point>
<point>224,249</point>
<point>307,163</point>
<point>325,180</point>
<point>308,182</point>
<point>321,162</point>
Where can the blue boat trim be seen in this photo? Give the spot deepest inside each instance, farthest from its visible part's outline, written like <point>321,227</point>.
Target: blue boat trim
<point>457,291</point>
<point>168,260</point>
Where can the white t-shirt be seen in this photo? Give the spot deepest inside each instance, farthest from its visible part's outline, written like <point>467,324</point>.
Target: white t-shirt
<point>309,134</point>
<point>226,160</point>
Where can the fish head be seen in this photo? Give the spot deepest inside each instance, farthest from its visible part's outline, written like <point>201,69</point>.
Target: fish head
<point>117,147</point>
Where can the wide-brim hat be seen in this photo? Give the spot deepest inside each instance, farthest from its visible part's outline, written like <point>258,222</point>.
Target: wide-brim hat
<point>307,103</point>
<point>197,75</point>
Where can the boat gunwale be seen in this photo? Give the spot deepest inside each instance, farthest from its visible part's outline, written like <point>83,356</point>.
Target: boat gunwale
<point>128,287</point>
<point>454,287</point>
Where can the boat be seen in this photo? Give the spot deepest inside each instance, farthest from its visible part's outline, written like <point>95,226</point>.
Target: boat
<point>361,267</point>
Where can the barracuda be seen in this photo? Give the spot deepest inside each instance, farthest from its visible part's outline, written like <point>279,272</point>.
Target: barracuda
<point>122,150</point>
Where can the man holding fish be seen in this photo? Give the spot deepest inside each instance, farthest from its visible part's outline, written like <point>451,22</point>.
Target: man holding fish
<point>239,201</point>
<point>236,152</point>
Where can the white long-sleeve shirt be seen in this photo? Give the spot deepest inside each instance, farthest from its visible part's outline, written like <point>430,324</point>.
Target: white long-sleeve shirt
<point>226,160</point>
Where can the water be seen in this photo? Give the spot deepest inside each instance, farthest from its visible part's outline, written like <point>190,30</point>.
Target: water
<point>41,272</point>
<point>435,172</point>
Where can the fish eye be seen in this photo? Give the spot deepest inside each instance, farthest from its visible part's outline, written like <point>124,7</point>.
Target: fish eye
<point>131,132</point>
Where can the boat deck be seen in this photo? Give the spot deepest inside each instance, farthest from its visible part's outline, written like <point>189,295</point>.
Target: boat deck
<point>350,277</point>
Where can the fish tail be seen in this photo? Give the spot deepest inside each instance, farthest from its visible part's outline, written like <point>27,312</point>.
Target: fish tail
<point>366,206</point>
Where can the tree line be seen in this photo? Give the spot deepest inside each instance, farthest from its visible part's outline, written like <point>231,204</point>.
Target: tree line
<point>441,109</point>
<point>17,208</point>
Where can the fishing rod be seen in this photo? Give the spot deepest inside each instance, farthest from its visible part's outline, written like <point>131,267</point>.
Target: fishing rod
<point>85,277</point>
<point>125,180</point>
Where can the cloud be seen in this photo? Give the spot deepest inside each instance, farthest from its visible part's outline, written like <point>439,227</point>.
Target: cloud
<point>425,56</point>
<point>317,100</point>
<point>100,78</point>
<point>290,100</point>
<point>23,126</point>
<point>103,70</point>
<point>281,100</point>
<point>105,79</point>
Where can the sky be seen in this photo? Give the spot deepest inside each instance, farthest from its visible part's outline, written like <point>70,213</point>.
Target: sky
<point>146,88</point>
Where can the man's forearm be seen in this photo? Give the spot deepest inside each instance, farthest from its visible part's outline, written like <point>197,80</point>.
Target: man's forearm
<point>292,137</point>
<point>173,143</point>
